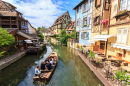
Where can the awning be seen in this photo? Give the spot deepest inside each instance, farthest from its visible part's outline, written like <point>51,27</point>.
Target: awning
<point>126,47</point>
<point>28,41</point>
<point>91,41</point>
<point>102,37</point>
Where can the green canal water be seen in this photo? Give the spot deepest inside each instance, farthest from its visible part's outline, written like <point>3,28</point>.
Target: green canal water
<point>70,70</point>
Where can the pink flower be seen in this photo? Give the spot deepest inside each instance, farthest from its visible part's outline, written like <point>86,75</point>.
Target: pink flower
<point>117,81</point>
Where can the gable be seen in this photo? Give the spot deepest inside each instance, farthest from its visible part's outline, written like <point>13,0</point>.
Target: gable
<point>3,7</point>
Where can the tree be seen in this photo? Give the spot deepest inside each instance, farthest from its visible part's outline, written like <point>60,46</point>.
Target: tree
<point>41,35</point>
<point>55,35</point>
<point>63,37</point>
<point>5,38</point>
<point>72,35</point>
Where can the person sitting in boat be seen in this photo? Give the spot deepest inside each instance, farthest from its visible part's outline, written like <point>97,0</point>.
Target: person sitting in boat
<point>43,65</point>
<point>37,72</point>
<point>51,61</point>
<point>48,66</point>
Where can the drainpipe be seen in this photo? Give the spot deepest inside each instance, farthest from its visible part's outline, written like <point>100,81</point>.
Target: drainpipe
<point>109,16</point>
<point>101,17</point>
<point>108,25</point>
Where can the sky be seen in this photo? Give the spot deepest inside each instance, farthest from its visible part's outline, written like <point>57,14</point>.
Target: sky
<point>44,12</point>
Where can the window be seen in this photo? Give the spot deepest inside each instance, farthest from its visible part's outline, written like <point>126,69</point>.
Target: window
<point>78,10</point>
<point>97,20</point>
<point>85,21</point>
<point>97,3</point>
<point>87,6</point>
<point>78,23</point>
<point>125,4</point>
<point>20,42</point>
<point>115,7</point>
<point>85,35</point>
<point>122,35</point>
<point>106,3</point>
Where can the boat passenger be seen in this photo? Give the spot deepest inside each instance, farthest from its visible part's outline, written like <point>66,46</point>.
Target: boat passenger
<point>43,65</point>
<point>37,72</point>
<point>51,61</point>
<point>48,66</point>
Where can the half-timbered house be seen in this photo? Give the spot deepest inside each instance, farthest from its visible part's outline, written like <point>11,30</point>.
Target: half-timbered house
<point>61,23</point>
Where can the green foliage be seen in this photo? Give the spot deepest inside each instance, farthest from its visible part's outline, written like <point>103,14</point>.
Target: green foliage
<point>121,76</point>
<point>77,46</point>
<point>98,61</point>
<point>41,35</point>
<point>81,49</point>
<point>40,28</point>
<point>63,37</point>
<point>91,55</point>
<point>72,35</point>
<point>85,25</point>
<point>86,52</point>
<point>6,38</point>
<point>1,53</point>
<point>55,35</point>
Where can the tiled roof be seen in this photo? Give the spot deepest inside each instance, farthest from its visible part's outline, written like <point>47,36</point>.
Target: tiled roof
<point>34,36</point>
<point>7,13</point>
<point>11,29</point>
<point>24,35</point>
<point>81,2</point>
<point>60,19</point>
<point>71,25</point>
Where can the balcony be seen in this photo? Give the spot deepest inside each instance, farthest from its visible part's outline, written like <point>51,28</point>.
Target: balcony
<point>13,22</point>
<point>5,22</point>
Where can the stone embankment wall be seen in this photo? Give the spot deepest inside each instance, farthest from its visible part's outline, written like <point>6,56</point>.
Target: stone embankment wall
<point>9,60</point>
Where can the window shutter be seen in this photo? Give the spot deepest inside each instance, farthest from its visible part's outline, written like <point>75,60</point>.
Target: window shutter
<point>87,34</point>
<point>88,21</point>
<point>88,5</point>
<point>81,22</point>
<point>81,35</point>
<point>119,33</point>
<point>115,7</point>
<point>124,36</point>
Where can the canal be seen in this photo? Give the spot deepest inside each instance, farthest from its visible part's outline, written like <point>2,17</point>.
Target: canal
<point>70,70</point>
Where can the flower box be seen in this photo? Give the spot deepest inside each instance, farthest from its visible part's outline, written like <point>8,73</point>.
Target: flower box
<point>122,13</point>
<point>85,25</point>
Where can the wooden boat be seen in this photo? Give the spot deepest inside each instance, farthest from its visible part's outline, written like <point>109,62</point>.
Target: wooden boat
<point>46,74</point>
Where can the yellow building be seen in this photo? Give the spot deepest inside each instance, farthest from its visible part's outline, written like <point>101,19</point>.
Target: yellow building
<point>110,31</point>
<point>120,27</point>
<point>99,29</point>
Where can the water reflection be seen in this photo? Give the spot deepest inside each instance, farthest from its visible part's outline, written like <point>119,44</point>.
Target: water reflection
<point>70,70</point>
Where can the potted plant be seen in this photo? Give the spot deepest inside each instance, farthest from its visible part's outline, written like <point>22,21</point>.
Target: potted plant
<point>81,49</point>
<point>91,55</point>
<point>77,46</point>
